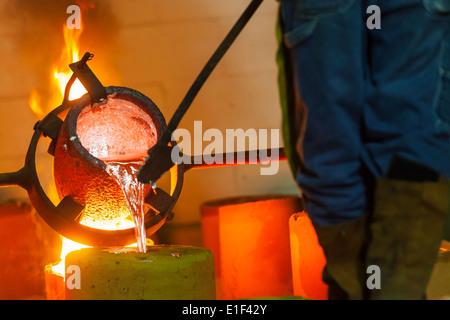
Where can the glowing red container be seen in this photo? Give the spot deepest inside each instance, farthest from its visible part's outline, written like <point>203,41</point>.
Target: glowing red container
<point>308,259</point>
<point>249,238</point>
<point>121,130</point>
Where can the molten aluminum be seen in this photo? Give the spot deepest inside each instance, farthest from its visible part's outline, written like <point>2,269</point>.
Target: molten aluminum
<point>125,175</point>
<point>116,131</point>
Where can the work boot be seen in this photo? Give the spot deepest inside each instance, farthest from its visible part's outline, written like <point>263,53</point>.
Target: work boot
<point>344,248</point>
<point>406,230</point>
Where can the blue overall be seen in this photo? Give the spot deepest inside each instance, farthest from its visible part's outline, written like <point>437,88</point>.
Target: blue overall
<point>366,94</point>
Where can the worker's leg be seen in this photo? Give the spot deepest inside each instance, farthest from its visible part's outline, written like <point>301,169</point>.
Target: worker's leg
<point>410,85</point>
<point>328,62</point>
<point>326,41</point>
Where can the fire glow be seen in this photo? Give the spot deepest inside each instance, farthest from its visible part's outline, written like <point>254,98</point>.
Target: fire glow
<point>60,74</point>
<point>60,77</point>
<point>69,55</point>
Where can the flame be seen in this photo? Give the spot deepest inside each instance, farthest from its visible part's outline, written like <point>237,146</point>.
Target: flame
<point>67,246</point>
<point>61,73</point>
<point>69,55</point>
<point>70,245</point>
<point>35,104</point>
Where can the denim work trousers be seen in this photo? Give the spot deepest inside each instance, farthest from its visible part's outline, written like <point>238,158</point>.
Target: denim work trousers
<point>364,95</point>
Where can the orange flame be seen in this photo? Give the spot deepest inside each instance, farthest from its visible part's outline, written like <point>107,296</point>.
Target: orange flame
<point>60,74</point>
<point>69,55</point>
<point>35,104</point>
<point>70,245</point>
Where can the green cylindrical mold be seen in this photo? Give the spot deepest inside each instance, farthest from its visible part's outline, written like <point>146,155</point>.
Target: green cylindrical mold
<point>162,273</point>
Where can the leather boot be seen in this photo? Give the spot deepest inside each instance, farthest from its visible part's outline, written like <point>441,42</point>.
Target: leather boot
<point>406,231</point>
<point>344,248</point>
